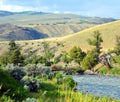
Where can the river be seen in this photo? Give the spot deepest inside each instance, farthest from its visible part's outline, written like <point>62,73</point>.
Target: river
<point>99,85</point>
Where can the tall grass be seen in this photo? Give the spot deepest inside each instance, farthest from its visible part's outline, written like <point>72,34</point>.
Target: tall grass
<point>71,96</point>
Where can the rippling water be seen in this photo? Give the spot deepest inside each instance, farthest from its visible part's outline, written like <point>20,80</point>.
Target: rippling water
<point>99,85</point>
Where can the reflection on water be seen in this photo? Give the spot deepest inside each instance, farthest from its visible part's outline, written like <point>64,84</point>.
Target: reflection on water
<point>99,85</point>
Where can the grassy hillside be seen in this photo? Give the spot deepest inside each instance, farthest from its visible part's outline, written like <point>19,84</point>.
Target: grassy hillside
<point>31,18</point>
<point>108,31</point>
<point>54,25</point>
<point>57,30</point>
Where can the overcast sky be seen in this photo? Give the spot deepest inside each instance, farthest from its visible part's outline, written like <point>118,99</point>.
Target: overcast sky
<point>101,8</point>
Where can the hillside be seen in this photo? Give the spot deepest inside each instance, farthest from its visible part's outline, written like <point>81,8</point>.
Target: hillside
<point>108,31</point>
<point>12,32</point>
<point>54,25</point>
<point>35,18</point>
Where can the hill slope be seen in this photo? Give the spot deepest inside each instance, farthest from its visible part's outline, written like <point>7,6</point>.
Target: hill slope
<point>12,32</point>
<point>108,32</point>
<point>54,25</point>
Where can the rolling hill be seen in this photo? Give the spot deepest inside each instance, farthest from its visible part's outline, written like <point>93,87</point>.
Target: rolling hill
<point>12,32</point>
<point>108,32</point>
<point>54,25</point>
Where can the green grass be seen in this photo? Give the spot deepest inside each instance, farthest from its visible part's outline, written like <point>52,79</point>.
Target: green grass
<point>113,71</point>
<point>55,93</point>
<point>10,87</point>
<point>52,92</point>
<point>70,96</point>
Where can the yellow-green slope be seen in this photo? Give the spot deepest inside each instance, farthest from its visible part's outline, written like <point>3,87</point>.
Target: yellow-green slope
<point>108,32</point>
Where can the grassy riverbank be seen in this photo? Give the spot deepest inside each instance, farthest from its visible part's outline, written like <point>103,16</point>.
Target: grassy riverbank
<point>51,90</point>
<point>112,72</point>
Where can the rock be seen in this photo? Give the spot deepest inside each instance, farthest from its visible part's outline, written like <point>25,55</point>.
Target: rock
<point>89,72</point>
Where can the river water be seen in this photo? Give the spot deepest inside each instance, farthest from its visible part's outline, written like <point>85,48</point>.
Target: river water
<point>99,85</point>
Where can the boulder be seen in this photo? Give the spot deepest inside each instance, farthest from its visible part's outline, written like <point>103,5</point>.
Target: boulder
<point>89,72</point>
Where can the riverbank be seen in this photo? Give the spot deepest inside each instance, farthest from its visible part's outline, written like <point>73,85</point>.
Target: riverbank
<point>60,88</point>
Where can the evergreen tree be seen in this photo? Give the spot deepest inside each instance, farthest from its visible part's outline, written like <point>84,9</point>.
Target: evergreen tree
<point>15,55</point>
<point>12,46</point>
<point>96,42</point>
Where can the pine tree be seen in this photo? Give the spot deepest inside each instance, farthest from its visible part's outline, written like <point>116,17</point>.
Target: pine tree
<point>96,42</point>
<point>15,55</point>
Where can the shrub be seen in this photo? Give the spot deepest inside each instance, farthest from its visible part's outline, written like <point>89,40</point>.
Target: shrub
<point>69,83</point>
<point>6,99</point>
<point>115,71</point>
<point>117,59</point>
<point>59,78</point>
<point>31,84</point>
<point>103,70</point>
<point>89,61</point>
<point>15,71</point>
<point>56,60</point>
<point>37,70</point>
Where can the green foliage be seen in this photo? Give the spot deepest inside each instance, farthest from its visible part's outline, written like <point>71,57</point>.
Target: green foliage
<point>117,48</point>
<point>34,59</point>
<point>37,70</point>
<point>11,87</point>
<point>77,54</point>
<point>117,59</point>
<point>56,60</point>
<point>31,83</point>
<point>4,59</point>
<point>96,42</point>
<point>48,54</point>
<point>6,99</point>
<point>103,71</point>
<point>16,57</point>
<point>48,87</point>
<point>89,61</point>
<point>28,77</point>
<point>12,46</point>
<point>13,55</point>
<point>113,71</point>
<point>69,83</point>
<point>65,58</point>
